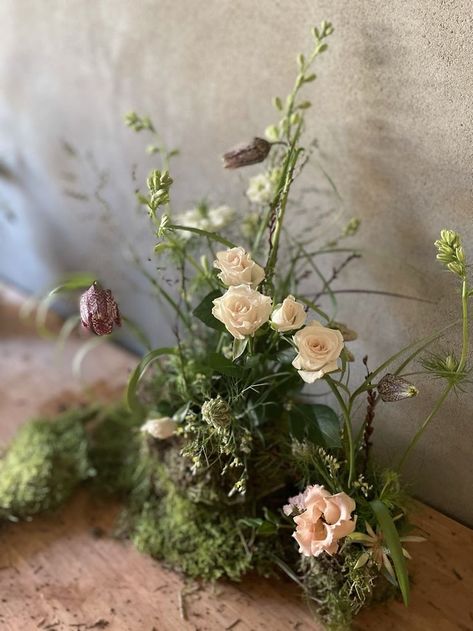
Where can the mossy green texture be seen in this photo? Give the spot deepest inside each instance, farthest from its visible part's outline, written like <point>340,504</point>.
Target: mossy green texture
<point>198,539</point>
<point>114,450</point>
<point>43,465</point>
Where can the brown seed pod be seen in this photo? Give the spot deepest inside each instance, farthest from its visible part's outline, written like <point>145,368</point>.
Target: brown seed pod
<point>98,310</point>
<point>245,154</point>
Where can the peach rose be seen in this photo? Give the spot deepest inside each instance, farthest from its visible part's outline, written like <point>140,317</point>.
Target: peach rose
<point>237,268</point>
<point>324,520</point>
<point>289,315</point>
<point>318,350</point>
<point>242,310</point>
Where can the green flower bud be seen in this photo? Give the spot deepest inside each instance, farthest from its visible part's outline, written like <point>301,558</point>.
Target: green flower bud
<point>217,412</point>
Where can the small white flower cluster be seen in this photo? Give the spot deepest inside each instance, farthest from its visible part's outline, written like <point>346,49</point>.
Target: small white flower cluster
<point>262,187</point>
<point>243,310</point>
<point>204,218</point>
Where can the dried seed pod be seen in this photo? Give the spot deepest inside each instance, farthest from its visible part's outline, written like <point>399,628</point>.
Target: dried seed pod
<point>348,334</point>
<point>98,310</point>
<point>245,154</point>
<point>392,388</point>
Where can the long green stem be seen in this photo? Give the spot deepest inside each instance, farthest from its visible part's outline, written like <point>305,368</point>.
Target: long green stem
<point>348,428</point>
<point>465,347</point>
<point>451,382</point>
<point>422,428</point>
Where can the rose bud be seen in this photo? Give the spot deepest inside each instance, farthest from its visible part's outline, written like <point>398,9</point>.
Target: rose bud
<point>98,310</point>
<point>392,388</point>
<point>245,154</point>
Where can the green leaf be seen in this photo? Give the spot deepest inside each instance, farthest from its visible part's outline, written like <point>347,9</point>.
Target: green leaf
<point>222,365</point>
<point>73,282</point>
<point>213,236</point>
<point>251,522</point>
<point>328,423</point>
<point>203,311</point>
<point>391,537</point>
<point>136,376</point>
<point>267,529</point>
<point>318,423</point>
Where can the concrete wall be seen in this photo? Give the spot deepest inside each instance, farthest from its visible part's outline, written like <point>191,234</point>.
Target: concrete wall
<point>393,115</point>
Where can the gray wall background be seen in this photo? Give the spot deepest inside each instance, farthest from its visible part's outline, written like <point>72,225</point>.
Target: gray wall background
<point>393,116</point>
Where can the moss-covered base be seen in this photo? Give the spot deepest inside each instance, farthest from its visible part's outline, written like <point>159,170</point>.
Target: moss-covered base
<point>174,514</point>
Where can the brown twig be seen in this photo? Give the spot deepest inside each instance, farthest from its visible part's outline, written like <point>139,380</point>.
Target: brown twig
<point>369,420</point>
<point>335,272</point>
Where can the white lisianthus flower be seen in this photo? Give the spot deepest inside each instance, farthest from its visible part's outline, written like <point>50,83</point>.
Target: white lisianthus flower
<point>262,187</point>
<point>203,218</point>
<point>242,310</point>
<point>193,218</point>
<point>289,315</point>
<point>318,351</point>
<point>160,428</point>
<point>237,268</point>
<point>220,217</point>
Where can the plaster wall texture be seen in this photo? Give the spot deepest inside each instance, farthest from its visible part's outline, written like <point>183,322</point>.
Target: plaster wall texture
<point>392,114</point>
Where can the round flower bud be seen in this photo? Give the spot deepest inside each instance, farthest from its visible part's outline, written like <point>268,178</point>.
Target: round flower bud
<point>98,310</point>
<point>216,412</point>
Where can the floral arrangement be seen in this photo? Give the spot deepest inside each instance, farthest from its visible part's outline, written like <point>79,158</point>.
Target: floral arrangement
<point>226,460</point>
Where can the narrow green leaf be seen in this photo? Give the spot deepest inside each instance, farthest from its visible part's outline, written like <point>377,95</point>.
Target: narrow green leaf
<point>203,311</point>
<point>204,233</point>
<point>73,282</point>
<point>137,375</point>
<point>391,537</point>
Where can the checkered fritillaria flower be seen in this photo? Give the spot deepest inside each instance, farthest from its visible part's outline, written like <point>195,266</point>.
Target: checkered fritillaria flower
<point>99,312</point>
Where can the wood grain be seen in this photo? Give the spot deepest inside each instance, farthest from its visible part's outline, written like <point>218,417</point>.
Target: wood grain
<point>64,571</point>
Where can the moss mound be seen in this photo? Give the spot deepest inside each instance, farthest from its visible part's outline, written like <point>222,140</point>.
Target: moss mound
<point>44,464</point>
<point>114,450</point>
<point>193,538</point>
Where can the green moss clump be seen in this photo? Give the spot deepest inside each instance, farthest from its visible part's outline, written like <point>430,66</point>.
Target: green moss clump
<point>192,538</point>
<point>114,450</point>
<point>43,465</point>
<point>198,539</point>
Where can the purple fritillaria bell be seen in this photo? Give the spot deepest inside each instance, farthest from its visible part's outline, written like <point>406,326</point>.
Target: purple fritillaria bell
<point>98,310</point>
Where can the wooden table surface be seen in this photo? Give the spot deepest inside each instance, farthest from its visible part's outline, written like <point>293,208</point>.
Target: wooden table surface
<point>56,573</point>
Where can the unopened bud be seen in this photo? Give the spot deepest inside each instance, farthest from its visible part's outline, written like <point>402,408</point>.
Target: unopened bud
<point>393,388</point>
<point>245,154</point>
<point>98,310</point>
<point>216,412</point>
